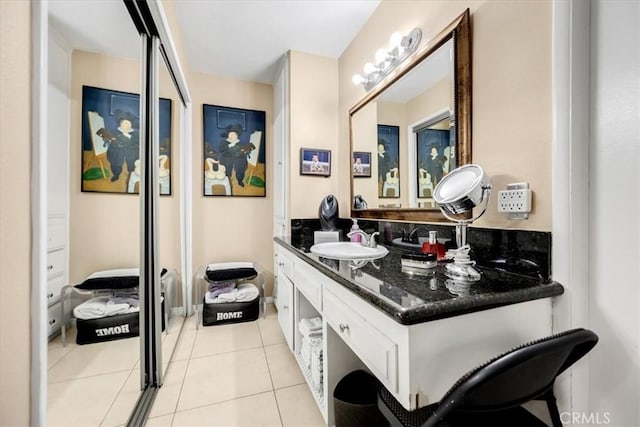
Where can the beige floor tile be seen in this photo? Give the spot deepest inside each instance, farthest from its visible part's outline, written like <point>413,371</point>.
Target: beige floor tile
<point>162,421</point>
<point>55,354</point>
<point>252,411</point>
<point>225,338</point>
<point>222,377</point>
<point>190,322</point>
<point>184,346</point>
<point>283,367</point>
<point>83,402</point>
<point>298,407</point>
<point>171,335</point>
<point>124,402</point>
<point>168,395</point>
<point>270,328</point>
<point>96,359</point>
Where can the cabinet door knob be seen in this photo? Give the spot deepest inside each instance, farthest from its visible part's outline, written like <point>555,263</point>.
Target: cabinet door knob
<point>50,267</point>
<point>343,327</point>
<point>52,321</point>
<point>281,264</point>
<point>285,307</point>
<point>50,295</point>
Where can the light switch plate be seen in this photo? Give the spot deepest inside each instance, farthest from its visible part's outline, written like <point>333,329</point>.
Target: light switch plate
<point>515,201</point>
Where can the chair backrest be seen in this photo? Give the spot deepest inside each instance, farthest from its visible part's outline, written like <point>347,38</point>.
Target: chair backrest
<point>517,376</point>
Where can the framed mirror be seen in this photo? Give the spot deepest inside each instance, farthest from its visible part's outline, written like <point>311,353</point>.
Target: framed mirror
<point>428,99</point>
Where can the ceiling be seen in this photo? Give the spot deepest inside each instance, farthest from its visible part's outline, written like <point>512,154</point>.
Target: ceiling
<point>239,39</point>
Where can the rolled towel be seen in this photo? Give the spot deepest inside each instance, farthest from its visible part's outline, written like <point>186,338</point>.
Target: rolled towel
<point>247,292</point>
<point>221,288</point>
<point>99,307</point>
<point>228,296</point>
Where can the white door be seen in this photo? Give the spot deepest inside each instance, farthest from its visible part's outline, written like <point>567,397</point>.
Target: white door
<point>614,234</point>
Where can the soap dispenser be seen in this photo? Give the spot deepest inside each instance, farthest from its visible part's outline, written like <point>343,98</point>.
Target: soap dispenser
<point>354,227</point>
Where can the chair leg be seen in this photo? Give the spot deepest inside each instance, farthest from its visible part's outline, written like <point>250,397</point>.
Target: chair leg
<point>550,398</point>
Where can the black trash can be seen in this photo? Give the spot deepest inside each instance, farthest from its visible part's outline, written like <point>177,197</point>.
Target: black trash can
<point>355,401</point>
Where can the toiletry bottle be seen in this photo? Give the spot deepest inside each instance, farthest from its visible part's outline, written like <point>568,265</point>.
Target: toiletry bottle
<point>431,246</point>
<point>354,227</point>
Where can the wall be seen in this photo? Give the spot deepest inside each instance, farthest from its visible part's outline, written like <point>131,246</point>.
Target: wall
<point>231,228</point>
<point>15,205</point>
<point>511,96</point>
<point>314,124</point>
<point>115,243</point>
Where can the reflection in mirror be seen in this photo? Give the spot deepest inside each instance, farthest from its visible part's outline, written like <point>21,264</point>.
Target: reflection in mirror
<point>90,383</point>
<point>169,219</point>
<point>428,101</point>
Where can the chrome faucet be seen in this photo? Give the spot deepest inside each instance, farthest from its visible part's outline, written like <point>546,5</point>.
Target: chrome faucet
<point>413,235</point>
<point>367,240</point>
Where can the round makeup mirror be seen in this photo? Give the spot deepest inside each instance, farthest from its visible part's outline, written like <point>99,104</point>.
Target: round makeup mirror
<point>457,194</point>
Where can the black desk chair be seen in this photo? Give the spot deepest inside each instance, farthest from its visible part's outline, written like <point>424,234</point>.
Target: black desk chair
<point>491,394</point>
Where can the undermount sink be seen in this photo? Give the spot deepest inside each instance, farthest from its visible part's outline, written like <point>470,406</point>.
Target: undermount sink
<point>348,250</point>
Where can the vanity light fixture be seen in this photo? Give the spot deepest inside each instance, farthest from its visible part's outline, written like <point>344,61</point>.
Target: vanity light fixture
<point>457,194</point>
<point>388,60</point>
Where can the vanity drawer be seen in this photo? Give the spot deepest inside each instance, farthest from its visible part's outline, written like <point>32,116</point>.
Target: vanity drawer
<point>55,262</point>
<point>54,318</point>
<point>375,349</point>
<point>284,263</point>
<point>54,286</point>
<point>309,282</point>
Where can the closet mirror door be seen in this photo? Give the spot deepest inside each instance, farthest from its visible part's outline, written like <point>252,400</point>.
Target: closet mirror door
<point>93,212</point>
<point>169,225</point>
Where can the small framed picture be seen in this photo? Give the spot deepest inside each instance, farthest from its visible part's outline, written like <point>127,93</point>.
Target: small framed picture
<point>315,162</point>
<point>361,164</point>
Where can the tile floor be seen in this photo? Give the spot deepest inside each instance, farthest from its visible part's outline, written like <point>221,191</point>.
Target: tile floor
<point>232,375</point>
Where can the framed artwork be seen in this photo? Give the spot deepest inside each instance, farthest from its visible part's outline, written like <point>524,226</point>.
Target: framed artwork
<point>361,164</point>
<point>388,165</point>
<point>234,151</point>
<point>314,161</point>
<point>435,158</point>
<point>111,142</point>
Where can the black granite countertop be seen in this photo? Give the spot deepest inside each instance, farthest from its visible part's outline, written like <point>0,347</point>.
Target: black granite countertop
<point>411,298</point>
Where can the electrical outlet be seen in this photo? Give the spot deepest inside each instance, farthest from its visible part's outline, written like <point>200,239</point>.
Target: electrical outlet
<point>515,201</point>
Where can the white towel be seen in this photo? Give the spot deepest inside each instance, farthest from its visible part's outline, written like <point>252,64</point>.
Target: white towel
<point>228,296</point>
<point>96,308</point>
<point>243,293</point>
<point>229,265</point>
<point>247,292</point>
<point>307,326</point>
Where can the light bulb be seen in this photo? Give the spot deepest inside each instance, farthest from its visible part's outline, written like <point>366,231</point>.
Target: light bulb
<point>369,68</point>
<point>381,56</point>
<point>357,79</point>
<point>396,39</point>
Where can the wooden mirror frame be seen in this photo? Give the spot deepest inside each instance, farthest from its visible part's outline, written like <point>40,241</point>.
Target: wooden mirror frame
<point>460,31</point>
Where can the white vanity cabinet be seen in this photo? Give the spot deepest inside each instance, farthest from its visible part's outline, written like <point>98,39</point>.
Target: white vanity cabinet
<point>284,292</point>
<point>417,363</point>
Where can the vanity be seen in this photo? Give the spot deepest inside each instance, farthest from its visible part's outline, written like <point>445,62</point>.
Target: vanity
<point>416,333</point>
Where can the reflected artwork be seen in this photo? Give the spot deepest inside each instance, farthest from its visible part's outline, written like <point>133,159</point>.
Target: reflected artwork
<point>111,142</point>
<point>388,161</point>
